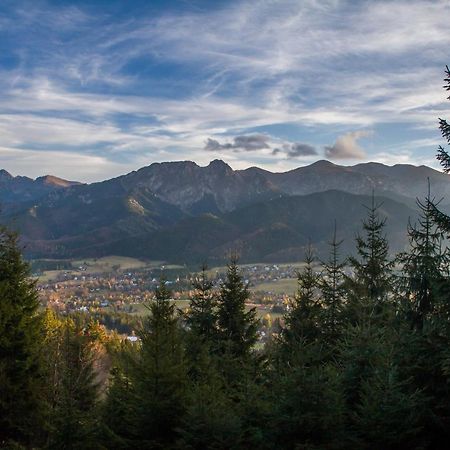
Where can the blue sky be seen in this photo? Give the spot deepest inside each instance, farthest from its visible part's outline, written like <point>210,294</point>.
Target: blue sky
<point>94,89</point>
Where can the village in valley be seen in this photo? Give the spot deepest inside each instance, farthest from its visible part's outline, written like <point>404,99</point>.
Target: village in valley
<point>117,290</point>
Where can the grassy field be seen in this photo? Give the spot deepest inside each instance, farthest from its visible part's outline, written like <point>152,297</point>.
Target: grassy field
<point>285,286</point>
<point>98,265</point>
<point>110,263</point>
<point>49,275</point>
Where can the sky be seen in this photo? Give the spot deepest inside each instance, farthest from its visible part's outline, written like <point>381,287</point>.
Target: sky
<point>94,89</point>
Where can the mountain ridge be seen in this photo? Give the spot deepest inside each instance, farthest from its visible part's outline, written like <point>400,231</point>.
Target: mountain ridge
<point>61,218</point>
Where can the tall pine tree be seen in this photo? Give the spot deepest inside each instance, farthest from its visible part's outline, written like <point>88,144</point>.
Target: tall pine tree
<point>331,285</point>
<point>237,327</point>
<point>370,285</point>
<point>73,414</point>
<point>201,317</point>
<point>424,265</point>
<point>20,344</point>
<point>159,375</point>
<point>302,321</point>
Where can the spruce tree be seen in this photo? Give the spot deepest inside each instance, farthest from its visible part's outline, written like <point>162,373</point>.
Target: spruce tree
<point>201,333</point>
<point>389,412</point>
<point>238,361</point>
<point>424,265</point>
<point>332,288</point>
<point>307,396</point>
<point>237,327</point>
<point>201,317</point>
<point>74,413</point>
<point>302,321</point>
<point>20,346</point>
<point>118,409</point>
<point>424,286</point>
<point>308,405</point>
<point>159,375</point>
<point>370,285</point>
<point>212,419</point>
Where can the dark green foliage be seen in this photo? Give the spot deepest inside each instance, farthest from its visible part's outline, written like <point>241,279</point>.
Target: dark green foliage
<point>423,360</point>
<point>387,416</point>
<point>307,390</point>
<point>117,411</point>
<point>309,403</point>
<point>332,289</point>
<point>21,405</point>
<point>73,413</point>
<point>201,337</point>
<point>153,385</point>
<point>385,408</point>
<point>302,321</point>
<point>371,282</point>
<point>201,317</point>
<point>424,266</point>
<point>211,419</point>
<point>236,327</point>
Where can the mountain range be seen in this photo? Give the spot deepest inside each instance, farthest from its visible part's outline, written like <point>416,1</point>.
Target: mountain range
<point>182,212</point>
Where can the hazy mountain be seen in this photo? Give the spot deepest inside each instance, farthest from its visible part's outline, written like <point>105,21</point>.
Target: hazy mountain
<point>15,191</point>
<point>399,181</point>
<point>181,210</point>
<point>80,217</point>
<point>274,230</point>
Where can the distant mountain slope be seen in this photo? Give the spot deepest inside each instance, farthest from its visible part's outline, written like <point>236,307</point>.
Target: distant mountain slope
<point>79,218</point>
<point>397,181</point>
<point>275,230</point>
<point>15,191</point>
<point>186,208</point>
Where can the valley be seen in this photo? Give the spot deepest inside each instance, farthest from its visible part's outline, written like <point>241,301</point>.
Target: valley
<point>115,289</point>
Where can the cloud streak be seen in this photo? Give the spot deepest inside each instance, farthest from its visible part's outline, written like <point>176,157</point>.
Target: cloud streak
<point>249,143</point>
<point>296,150</point>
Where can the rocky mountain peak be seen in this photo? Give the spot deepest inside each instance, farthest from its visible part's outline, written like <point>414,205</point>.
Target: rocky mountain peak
<point>5,176</point>
<point>51,180</point>
<point>219,166</point>
<point>323,164</point>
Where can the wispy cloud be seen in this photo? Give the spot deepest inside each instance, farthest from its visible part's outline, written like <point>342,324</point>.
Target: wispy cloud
<point>135,88</point>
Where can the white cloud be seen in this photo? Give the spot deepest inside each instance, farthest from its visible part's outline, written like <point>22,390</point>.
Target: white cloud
<point>346,146</point>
